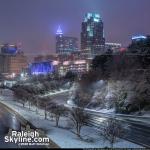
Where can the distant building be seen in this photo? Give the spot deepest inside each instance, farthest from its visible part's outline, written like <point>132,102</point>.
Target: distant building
<point>75,62</point>
<point>44,67</point>
<point>12,64</point>
<point>64,44</point>
<point>115,47</point>
<point>92,34</point>
<point>140,38</point>
<point>9,49</point>
<point>40,58</point>
<point>140,44</point>
<point>76,66</point>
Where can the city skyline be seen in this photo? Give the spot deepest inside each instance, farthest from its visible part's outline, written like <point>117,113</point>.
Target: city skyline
<point>34,23</point>
<point>75,74</point>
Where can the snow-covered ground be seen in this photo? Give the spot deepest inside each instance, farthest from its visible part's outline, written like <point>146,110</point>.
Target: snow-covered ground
<point>64,135</point>
<point>55,93</point>
<point>146,114</point>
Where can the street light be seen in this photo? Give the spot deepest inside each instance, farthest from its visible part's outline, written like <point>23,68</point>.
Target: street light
<point>13,75</point>
<point>22,75</point>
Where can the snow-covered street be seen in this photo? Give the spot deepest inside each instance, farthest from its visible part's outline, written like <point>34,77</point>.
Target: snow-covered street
<point>64,135</point>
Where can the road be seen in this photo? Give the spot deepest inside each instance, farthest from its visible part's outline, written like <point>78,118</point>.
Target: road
<point>60,98</point>
<point>7,120</point>
<point>136,129</point>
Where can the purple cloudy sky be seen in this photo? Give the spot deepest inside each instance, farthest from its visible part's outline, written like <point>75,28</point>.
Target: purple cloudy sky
<point>34,22</point>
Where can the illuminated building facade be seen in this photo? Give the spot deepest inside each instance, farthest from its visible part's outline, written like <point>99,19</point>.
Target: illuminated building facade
<point>64,44</point>
<point>9,49</point>
<point>76,66</point>
<point>75,62</point>
<point>139,38</point>
<point>140,44</point>
<point>12,63</point>
<point>92,34</point>
<point>38,68</point>
<point>114,47</point>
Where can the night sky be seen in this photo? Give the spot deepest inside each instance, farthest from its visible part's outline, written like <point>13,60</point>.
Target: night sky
<point>34,22</point>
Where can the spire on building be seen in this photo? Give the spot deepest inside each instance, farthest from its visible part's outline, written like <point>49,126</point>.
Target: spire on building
<point>59,31</point>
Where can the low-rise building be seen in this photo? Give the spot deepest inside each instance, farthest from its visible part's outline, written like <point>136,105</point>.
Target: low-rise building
<point>12,64</point>
<point>77,66</point>
<point>114,47</point>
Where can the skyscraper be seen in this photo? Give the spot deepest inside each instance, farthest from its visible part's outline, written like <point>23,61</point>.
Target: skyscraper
<point>92,34</point>
<point>65,44</point>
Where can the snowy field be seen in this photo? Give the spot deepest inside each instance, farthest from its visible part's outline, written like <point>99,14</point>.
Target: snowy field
<point>64,135</point>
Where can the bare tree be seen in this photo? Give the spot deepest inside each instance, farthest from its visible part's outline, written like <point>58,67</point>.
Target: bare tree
<point>43,104</point>
<point>112,130</point>
<point>36,103</point>
<point>57,111</point>
<point>79,118</point>
<point>20,95</point>
<point>29,97</point>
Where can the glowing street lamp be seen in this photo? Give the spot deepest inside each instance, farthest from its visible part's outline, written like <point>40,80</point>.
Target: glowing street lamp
<point>13,75</point>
